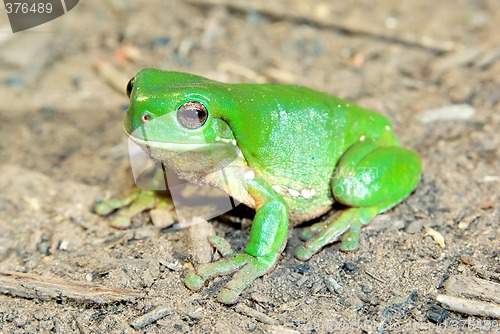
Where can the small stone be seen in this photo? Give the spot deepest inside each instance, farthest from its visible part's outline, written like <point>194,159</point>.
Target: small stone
<point>366,288</point>
<point>44,245</point>
<point>348,267</point>
<point>332,285</point>
<point>303,268</point>
<point>162,218</point>
<point>415,226</point>
<point>437,314</point>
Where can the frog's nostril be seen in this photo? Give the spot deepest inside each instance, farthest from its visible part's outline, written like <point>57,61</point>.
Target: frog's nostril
<point>146,117</point>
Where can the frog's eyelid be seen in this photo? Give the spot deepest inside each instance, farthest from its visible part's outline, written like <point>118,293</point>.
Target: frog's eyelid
<point>130,86</point>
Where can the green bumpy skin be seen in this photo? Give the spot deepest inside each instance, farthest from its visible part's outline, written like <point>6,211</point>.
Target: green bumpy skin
<point>287,151</point>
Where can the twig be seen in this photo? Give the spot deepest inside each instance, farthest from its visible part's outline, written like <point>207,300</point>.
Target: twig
<point>407,39</point>
<point>33,286</point>
<point>473,288</point>
<point>259,316</point>
<point>454,112</point>
<point>471,307</point>
<point>150,317</point>
<point>375,277</point>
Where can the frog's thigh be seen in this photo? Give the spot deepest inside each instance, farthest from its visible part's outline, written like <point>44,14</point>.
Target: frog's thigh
<point>376,176</point>
<point>369,179</point>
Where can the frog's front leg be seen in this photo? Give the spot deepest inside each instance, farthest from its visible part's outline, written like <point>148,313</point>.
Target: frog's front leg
<point>267,240</point>
<point>135,203</point>
<point>132,205</point>
<point>371,177</point>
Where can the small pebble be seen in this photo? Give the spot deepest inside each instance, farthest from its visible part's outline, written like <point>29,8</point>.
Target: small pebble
<point>437,314</point>
<point>44,245</point>
<point>162,218</point>
<point>302,280</point>
<point>332,285</point>
<point>415,226</point>
<point>467,260</point>
<point>348,267</point>
<point>63,245</point>
<point>366,288</point>
<point>303,268</point>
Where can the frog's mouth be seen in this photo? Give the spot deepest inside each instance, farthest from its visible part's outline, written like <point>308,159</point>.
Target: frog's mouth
<point>194,157</point>
<point>170,147</point>
<point>175,147</point>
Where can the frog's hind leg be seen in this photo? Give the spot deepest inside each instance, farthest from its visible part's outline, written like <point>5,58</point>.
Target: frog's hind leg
<point>371,178</point>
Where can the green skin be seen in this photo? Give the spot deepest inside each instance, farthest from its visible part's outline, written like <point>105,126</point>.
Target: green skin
<point>287,151</point>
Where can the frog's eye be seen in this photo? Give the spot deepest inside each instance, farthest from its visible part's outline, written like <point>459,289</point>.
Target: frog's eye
<point>130,86</point>
<point>192,115</point>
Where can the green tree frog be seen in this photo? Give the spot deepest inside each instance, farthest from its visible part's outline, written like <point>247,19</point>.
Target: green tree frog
<point>287,151</point>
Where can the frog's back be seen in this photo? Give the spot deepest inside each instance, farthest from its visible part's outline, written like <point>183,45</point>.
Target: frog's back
<point>294,136</point>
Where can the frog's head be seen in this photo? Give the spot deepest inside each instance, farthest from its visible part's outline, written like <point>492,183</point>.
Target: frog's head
<point>173,117</point>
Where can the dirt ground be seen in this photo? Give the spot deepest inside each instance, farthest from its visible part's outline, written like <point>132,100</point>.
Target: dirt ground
<point>64,148</point>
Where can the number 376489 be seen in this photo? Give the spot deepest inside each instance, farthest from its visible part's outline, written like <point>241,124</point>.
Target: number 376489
<point>25,8</point>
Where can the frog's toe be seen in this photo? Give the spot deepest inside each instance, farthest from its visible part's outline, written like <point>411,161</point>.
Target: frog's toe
<point>227,296</point>
<point>221,245</point>
<point>130,206</point>
<point>306,234</point>
<point>302,253</point>
<point>350,241</point>
<point>194,281</point>
<point>121,222</point>
<point>346,227</point>
<point>245,266</point>
<point>243,279</point>
<point>310,231</point>
<point>103,208</point>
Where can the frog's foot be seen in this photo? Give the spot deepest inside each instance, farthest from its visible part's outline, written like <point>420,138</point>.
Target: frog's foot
<point>246,266</point>
<point>130,206</point>
<point>347,227</point>
<point>266,242</point>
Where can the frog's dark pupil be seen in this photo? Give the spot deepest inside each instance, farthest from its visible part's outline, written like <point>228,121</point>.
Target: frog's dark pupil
<point>192,115</point>
<point>130,85</point>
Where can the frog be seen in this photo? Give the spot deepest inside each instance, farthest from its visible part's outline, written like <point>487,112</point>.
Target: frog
<point>286,151</point>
